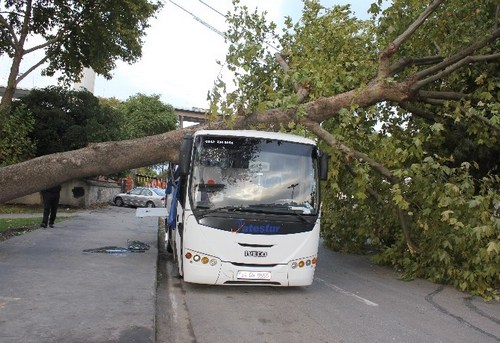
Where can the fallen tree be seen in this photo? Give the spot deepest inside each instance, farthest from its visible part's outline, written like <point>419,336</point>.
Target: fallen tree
<point>412,129</point>
<point>111,157</point>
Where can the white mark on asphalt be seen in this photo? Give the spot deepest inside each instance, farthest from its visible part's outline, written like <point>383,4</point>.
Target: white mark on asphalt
<point>5,300</point>
<point>343,291</point>
<point>172,295</point>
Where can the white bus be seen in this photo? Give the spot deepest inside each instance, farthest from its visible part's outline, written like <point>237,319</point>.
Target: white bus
<point>246,208</point>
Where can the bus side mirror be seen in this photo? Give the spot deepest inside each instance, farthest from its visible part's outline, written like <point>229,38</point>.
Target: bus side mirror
<point>185,155</point>
<point>323,166</point>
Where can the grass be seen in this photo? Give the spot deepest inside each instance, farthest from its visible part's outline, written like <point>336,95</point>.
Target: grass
<point>19,223</point>
<point>8,209</point>
<point>38,209</point>
<point>23,223</point>
<point>10,227</point>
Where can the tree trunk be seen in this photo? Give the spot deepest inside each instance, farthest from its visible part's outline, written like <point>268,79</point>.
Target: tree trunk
<point>96,159</point>
<point>10,89</point>
<point>7,97</point>
<point>112,157</point>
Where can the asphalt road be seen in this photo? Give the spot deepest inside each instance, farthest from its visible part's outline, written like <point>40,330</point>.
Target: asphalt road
<point>50,291</point>
<point>53,291</point>
<point>351,300</point>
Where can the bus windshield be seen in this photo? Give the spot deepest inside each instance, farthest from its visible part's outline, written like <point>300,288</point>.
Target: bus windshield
<point>253,175</point>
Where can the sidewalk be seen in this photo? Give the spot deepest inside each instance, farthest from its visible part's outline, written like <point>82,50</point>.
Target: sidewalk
<point>51,291</point>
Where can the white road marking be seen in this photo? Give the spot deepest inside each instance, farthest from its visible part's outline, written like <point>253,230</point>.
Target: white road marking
<point>5,300</point>
<point>343,291</point>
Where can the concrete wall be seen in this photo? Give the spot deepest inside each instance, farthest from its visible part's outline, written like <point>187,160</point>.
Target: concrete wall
<point>31,199</point>
<point>101,192</point>
<point>78,193</point>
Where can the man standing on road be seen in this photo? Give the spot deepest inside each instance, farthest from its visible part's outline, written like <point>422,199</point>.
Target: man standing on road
<point>50,202</point>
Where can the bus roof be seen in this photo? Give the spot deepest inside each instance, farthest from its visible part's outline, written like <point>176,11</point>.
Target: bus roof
<point>257,134</point>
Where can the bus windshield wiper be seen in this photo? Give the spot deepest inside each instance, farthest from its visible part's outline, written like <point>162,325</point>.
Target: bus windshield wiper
<point>282,209</point>
<point>206,210</point>
<point>302,217</point>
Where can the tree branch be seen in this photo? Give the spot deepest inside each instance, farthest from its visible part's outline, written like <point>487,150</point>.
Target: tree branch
<point>370,190</point>
<point>458,59</point>
<point>413,27</point>
<point>44,45</point>
<point>429,116</point>
<point>450,69</point>
<point>442,95</point>
<point>25,28</point>
<point>402,64</point>
<point>485,58</point>
<point>301,91</point>
<point>33,67</point>
<point>13,38</point>
<point>331,141</point>
<point>440,102</point>
<point>403,220</point>
<point>386,173</point>
<point>487,122</point>
<point>436,102</point>
<point>384,69</point>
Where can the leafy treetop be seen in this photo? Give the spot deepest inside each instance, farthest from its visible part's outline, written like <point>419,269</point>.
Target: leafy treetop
<point>72,34</point>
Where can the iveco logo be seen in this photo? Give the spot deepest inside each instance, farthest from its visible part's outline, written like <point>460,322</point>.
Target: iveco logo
<point>255,253</point>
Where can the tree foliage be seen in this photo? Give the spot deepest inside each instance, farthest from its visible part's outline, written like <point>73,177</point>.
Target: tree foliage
<point>146,115</point>
<point>15,142</point>
<point>72,34</point>
<point>425,154</point>
<point>65,120</point>
<point>68,119</point>
<point>388,98</point>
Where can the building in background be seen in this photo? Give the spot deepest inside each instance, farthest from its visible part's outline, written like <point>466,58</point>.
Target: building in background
<point>87,81</point>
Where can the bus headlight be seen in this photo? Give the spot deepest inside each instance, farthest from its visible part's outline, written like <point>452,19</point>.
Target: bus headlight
<point>194,257</point>
<point>303,262</point>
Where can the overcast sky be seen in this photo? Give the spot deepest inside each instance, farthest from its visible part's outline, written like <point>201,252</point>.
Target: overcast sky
<point>180,53</point>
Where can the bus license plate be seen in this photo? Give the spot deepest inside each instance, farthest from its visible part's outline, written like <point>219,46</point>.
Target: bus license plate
<point>248,275</point>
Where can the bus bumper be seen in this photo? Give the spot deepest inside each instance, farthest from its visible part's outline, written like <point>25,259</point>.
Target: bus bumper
<point>278,275</point>
<point>295,273</point>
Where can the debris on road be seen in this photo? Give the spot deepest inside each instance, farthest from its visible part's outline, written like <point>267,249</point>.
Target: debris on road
<point>133,246</point>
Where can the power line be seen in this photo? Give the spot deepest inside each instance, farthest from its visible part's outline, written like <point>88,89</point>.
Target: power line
<point>213,9</point>
<point>223,15</point>
<point>199,19</point>
<point>210,26</point>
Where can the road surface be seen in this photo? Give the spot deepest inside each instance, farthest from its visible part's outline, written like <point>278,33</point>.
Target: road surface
<point>351,300</point>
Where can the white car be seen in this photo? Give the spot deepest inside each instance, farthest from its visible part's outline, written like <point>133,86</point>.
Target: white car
<point>141,197</point>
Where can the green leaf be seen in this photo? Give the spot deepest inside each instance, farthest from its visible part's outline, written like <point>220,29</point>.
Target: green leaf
<point>493,247</point>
